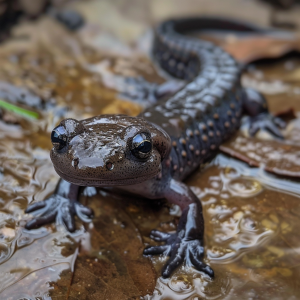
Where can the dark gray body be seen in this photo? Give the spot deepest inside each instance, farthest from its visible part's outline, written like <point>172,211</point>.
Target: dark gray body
<point>207,110</point>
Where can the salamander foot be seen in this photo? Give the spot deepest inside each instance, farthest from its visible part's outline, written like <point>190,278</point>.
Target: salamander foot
<point>268,122</point>
<point>60,209</point>
<point>179,249</point>
<point>256,106</point>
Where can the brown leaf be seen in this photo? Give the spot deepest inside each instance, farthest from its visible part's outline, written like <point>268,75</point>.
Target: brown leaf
<point>254,47</point>
<point>111,264</point>
<point>281,158</point>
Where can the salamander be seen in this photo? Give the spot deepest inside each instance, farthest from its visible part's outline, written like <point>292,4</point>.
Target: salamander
<point>150,155</point>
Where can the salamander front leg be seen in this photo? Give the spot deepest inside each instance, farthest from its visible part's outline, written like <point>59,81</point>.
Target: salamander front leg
<point>187,243</point>
<point>62,206</point>
<point>255,105</point>
<point>140,89</point>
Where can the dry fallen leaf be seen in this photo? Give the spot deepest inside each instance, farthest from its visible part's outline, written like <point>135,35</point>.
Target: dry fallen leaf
<point>250,48</point>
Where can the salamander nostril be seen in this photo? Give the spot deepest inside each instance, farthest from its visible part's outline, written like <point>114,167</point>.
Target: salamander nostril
<point>109,166</point>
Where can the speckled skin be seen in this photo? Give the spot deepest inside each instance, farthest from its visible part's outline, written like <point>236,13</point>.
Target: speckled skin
<point>107,138</point>
<point>184,130</point>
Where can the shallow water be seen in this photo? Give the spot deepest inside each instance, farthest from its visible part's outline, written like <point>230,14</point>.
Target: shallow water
<point>251,233</point>
<point>251,229</point>
<point>277,80</point>
<point>251,236</point>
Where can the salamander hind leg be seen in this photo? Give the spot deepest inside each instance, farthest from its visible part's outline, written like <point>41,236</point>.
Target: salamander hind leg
<point>255,105</point>
<point>186,245</point>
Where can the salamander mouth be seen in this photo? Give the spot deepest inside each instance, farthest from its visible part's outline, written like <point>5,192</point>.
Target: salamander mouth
<point>104,182</point>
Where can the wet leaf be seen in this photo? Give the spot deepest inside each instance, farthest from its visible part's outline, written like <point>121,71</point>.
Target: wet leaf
<point>281,158</point>
<point>250,217</point>
<point>111,264</point>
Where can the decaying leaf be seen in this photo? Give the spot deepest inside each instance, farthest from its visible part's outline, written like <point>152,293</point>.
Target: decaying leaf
<point>250,48</point>
<point>247,225</point>
<point>111,264</point>
<point>278,157</point>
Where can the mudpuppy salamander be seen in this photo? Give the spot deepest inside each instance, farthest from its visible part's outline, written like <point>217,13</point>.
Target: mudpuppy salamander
<point>150,155</point>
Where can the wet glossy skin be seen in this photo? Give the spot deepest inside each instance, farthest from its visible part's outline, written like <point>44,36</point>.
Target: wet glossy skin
<point>99,151</point>
<point>151,154</point>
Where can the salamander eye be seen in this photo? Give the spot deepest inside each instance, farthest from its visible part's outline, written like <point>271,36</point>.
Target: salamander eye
<point>141,145</point>
<point>59,137</point>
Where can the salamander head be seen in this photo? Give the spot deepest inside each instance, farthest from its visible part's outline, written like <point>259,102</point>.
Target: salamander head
<point>108,150</point>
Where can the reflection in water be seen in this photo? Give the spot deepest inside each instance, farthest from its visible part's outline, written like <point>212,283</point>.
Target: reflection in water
<point>190,287</point>
<point>251,236</point>
<point>29,259</point>
<point>251,233</point>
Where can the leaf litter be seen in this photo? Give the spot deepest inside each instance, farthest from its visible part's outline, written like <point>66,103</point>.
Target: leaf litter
<point>251,216</point>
